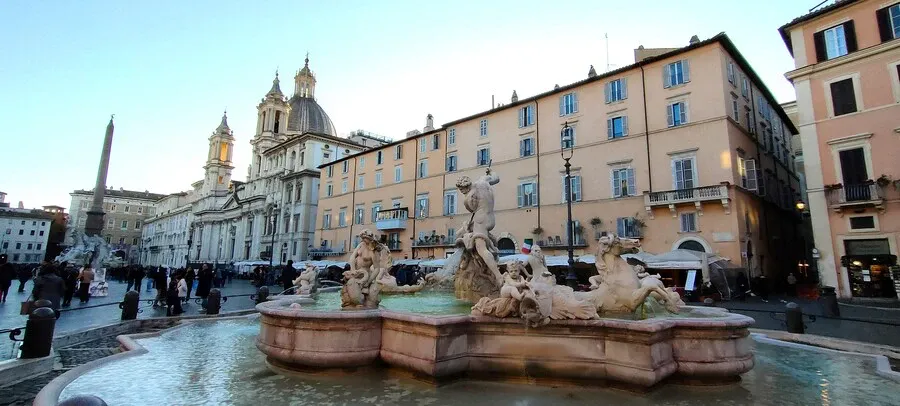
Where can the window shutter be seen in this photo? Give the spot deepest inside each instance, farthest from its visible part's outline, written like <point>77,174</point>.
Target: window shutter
<point>562,105</point>
<point>576,192</point>
<point>850,36</point>
<point>683,112</point>
<point>607,91</point>
<point>669,114</point>
<point>613,182</point>
<point>666,78</point>
<point>609,128</point>
<point>624,84</point>
<point>632,188</point>
<point>750,173</point>
<point>686,67</point>
<point>530,115</point>
<point>521,147</point>
<point>521,117</point>
<point>574,102</point>
<point>675,171</point>
<point>819,41</point>
<point>519,192</point>
<point>883,16</point>
<point>620,226</point>
<point>624,125</point>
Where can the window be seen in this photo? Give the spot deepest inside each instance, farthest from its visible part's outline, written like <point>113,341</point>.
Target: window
<point>112,208</point>
<point>16,256</point>
<point>398,151</point>
<point>18,245</point>
<point>526,116</point>
<point>423,144</point>
<point>435,141</point>
<point>121,240</point>
<point>862,223</point>
<point>344,186</point>
<point>325,156</point>
<point>127,209</point>
<point>616,127</point>
<point>735,109</point>
<point>835,42</point>
<point>843,97</point>
<point>5,245</point>
<point>567,140</point>
<point>41,233</point>
<point>378,179</point>
<point>451,163</point>
<point>688,222</point>
<point>326,221</point>
<point>483,128</point>
<point>423,168</point>
<point>628,227</point>
<point>751,126</point>
<point>623,182</point>
<point>32,232</point>
<point>683,174</point>
<point>889,22</point>
<point>360,182</point>
<point>451,137</point>
<point>375,209</point>
<point>346,167</point>
<point>677,114</point>
<point>362,163</point>
<point>360,214</point>
<point>379,157</point>
<point>449,202</point>
<point>21,232</point>
<point>330,171</point>
<point>568,104</point>
<point>616,90</point>
<point>526,147</point>
<point>854,173</point>
<point>124,224</point>
<point>676,73</point>
<point>451,234</point>
<point>329,189</point>
<point>748,173</point>
<point>745,87</point>
<point>730,70</point>
<point>484,156</point>
<point>527,194</point>
<point>29,247</point>
<point>84,205</point>
<point>576,188</point>
<point>422,206</point>
<point>342,218</point>
<point>398,174</point>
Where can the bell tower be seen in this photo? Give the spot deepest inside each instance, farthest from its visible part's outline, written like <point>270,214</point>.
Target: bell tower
<point>219,159</point>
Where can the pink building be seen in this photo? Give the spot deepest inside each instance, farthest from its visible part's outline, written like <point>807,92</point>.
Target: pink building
<point>847,60</point>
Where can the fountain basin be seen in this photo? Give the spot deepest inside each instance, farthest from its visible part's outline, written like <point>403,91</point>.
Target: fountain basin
<point>703,345</point>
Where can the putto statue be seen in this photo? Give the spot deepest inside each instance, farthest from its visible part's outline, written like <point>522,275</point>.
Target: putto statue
<point>389,285</point>
<point>478,274</point>
<point>306,282</point>
<point>369,260</point>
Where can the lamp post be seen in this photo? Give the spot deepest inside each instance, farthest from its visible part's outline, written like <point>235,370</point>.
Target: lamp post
<point>272,208</point>
<point>567,150</point>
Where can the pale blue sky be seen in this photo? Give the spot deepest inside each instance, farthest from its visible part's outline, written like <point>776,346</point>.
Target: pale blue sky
<point>168,69</point>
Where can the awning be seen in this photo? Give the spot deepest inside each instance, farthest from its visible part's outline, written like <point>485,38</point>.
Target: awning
<point>433,263</point>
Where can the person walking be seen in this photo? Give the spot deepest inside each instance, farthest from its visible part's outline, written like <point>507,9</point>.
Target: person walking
<point>129,277</point>
<point>204,281</point>
<point>48,286</point>
<point>23,275</point>
<point>85,277</point>
<point>189,277</point>
<point>159,281</point>
<point>70,279</point>
<point>173,304</point>
<point>288,274</point>
<point>182,287</point>
<point>7,274</point>
<point>138,274</point>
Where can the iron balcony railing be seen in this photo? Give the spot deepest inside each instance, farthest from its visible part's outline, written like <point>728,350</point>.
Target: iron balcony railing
<point>697,194</point>
<point>392,219</point>
<point>848,195</point>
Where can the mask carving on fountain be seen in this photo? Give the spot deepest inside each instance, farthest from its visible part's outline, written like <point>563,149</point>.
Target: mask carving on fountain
<point>369,260</point>
<point>306,281</point>
<point>478,274</point>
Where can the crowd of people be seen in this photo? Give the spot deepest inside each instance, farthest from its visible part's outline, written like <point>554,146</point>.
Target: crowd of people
<point>53,281</point>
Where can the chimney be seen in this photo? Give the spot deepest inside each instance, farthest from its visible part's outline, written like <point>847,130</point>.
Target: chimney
<point>429,123</point>
<point>694,40</point>
<point>413,133</point>
<point>21,205</point>
<point>514,97</point>
<point>592,72</point>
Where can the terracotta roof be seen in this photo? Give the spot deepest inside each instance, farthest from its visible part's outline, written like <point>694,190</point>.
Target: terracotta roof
<point>809,16</point>
<point>31,214</point>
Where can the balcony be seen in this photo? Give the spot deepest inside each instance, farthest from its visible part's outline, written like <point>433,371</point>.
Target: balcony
<point>561,243</point>
<point>326,252</point>
<point>855,196</point>
<point>394,245</point>
<point>695,196</point>
<point>392,219</point>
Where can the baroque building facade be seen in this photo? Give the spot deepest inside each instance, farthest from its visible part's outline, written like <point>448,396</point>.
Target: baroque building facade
<point>272,213</point>
<point>125,213</point>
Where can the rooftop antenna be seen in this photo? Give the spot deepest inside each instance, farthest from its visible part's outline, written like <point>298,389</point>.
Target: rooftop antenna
<point>606,36</point>
<point>817,5</point>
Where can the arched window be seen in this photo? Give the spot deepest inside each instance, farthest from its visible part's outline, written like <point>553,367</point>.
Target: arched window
<point>263,122</point>
<point>691,245</point>
<point>277,120</point>
<point>293,158</point>
<point>506,247</point>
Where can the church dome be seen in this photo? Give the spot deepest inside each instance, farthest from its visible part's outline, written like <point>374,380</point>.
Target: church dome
<point>307,115</point>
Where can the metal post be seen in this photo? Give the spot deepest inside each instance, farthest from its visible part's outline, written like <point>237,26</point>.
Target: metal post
<point>129,305</point>
<point>571,277</point>
<point>214,301</point>
<point>829,303</point>
<point>793,318</point>
<point>38,333</point>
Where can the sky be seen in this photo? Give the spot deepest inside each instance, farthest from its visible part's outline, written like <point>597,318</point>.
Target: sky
<point>168,69</point>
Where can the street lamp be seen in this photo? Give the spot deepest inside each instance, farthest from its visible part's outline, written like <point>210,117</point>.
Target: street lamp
<point>272,208</point>
<point>567,150</point>
<point>801,205</point>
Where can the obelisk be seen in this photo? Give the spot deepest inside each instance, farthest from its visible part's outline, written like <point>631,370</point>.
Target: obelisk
<point>94,223</point>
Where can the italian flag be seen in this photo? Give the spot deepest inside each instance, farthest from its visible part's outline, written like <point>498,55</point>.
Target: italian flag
<point>526,246</point>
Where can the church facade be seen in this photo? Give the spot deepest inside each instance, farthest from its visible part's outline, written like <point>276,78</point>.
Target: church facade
<point>272,213</point>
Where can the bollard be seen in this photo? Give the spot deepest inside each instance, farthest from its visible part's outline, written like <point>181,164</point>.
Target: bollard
<point>262,294</point>
<point>829,303</point>
<point>793,318</point>
<point>214,301</point>
<point>83,400</point>
<point>45,303</point>
<point>129,305</point>
<point>38,333</point>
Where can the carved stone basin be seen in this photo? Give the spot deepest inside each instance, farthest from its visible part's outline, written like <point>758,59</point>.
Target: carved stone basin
<point>702,345</point>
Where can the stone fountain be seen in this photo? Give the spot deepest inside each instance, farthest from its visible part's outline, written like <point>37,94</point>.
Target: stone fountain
<point>521,325</point>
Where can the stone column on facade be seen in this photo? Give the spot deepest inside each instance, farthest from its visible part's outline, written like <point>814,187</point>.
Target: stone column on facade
<point>94,222</point>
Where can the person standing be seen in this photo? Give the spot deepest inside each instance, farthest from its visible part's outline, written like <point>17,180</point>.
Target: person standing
<point>70,279</point>
<point>129,277</point>
<point>159,281</point>
<point>7,274</point>
<point>288,274</point>
<point>204,282</point>
<point>48,286</point>
<point>173,304</point>
<point>218,280</point>
<point>189,277</point>
<point>24,275</point>
<point>85,277</point>
<point>138,275</point>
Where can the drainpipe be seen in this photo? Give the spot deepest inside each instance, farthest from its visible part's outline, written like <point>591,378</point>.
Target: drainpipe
<point>764,223</point>
<point>412,251</point>
<point>352,207</point>
<point>647,133</point>
<point>537,154</point>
